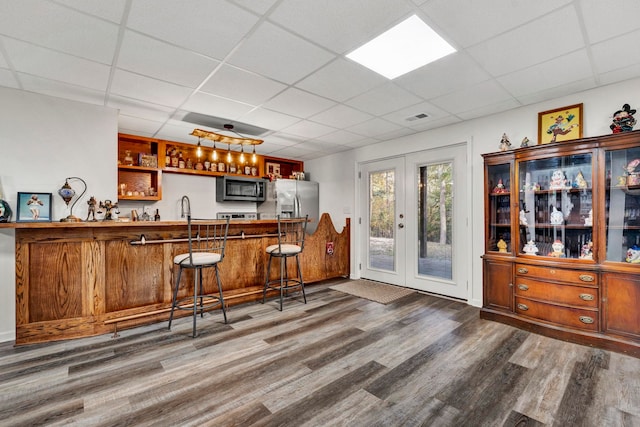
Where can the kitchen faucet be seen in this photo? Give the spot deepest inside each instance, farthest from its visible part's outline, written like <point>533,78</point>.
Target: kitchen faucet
<point>188,210</point>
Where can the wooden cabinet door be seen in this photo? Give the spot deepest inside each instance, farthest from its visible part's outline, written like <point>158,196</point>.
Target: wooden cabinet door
<point>498,285</point>
<point>621,294</point>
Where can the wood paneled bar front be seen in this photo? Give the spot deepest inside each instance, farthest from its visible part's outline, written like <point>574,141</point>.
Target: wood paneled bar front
<point>82,279</point>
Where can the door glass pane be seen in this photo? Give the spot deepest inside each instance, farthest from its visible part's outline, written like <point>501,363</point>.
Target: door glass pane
<point>382,202</point>
<point>435,207</point>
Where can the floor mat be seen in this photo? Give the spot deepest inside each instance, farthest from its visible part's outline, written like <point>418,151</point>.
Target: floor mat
<point>373,291</point>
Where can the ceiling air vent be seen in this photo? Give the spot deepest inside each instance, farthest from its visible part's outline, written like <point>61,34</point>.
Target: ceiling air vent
<point>417,117</point>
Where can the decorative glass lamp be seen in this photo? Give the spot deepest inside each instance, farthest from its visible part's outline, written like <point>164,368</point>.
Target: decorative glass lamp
<point>68,193</point>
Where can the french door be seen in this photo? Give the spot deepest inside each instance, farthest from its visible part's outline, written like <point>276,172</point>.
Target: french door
<point>413,223</point>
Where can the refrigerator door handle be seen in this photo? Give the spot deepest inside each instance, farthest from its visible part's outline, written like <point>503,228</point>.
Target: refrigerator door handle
<point>296,207</point>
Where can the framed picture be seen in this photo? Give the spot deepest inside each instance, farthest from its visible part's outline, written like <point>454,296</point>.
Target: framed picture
<point>561,124</point>
<point>273,169</point>
<point>34,207</point>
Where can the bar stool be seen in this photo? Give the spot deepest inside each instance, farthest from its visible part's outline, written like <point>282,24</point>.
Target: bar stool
<point>291,233</point>
<point>207,242</point>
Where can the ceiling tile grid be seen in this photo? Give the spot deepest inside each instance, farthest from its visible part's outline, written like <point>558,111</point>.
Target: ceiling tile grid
<point>280,65</point>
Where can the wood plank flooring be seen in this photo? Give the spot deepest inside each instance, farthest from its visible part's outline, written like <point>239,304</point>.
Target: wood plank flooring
<point>337,361</point>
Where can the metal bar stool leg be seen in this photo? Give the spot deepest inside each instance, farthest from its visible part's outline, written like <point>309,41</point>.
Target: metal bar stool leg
<point>304,296</point>
<point>175,296</point>
<point>195,299</point>
<point>224,310</point>
<point>266,280</point>
<point>283,269</point>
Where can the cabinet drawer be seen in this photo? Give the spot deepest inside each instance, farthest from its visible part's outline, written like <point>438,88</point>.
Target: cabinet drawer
<point>573,295</point>
<point>572,317</point>
<point>557,274</point>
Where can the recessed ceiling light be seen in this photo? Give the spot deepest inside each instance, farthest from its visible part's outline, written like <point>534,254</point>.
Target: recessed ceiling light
<point>403,48</point>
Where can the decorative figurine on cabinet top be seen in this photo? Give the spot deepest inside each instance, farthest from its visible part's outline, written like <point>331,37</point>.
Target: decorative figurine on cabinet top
<point>530,248</point>
<point>558,249</point>
<point>91,211</point>
<point>110,209</point>
<point>504,143</point>
<point>558,180</point>
<point>623,120</point>
<point>524,143</point>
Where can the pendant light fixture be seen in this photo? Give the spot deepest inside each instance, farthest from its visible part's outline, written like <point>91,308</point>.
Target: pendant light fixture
<point>242,154</point>
<point>253,156</point>
<point>214,155</point>
<point>199,149</point>
<point>228,153</point>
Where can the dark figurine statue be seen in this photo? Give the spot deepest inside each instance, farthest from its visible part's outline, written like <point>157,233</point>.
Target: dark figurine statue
<point>623,120</point>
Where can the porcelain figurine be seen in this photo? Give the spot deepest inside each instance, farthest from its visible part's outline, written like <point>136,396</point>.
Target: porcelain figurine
<point>633,255</point>
<point>558,180</point>
<point>557,249</point>
<point>523,218</point>
<point>623,120</point>
<point>556,217</point>
<point>587,250</point>
<point>580,182</point>
<point>500,188</point>
<point>588,221</point>
<point>524,143</point>
<point>504,143</point>
<point>530,248</point>
<point>502,246</point>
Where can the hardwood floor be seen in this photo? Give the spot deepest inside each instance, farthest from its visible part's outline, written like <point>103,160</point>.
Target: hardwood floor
<point>338,360</point>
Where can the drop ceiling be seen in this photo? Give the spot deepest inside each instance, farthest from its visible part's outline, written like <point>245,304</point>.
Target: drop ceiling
<point>279,65</point>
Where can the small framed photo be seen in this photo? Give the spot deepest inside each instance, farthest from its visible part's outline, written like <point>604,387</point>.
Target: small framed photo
<point>34,207</point>
<point>273,169</point>
<point>560,124</point>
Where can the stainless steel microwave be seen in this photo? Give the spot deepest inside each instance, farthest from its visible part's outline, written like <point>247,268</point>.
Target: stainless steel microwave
<point>238,188</point>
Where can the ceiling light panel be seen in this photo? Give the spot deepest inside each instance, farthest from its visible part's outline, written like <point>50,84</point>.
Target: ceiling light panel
<point>405,47</point>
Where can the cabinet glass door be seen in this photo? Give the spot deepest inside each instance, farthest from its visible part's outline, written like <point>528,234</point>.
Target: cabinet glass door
<point>555,207</point>
<point>622,205</point>
<point>499,206</point>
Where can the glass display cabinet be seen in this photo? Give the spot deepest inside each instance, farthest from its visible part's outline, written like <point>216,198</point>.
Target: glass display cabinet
<point>555,214</point>
<point>562,233</point>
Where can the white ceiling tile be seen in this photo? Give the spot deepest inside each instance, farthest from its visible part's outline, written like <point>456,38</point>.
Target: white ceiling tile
<point>446,75</point>
<point>298,103</point>
<point>3,61</point>
<point>209,27</point>
<point>537,41</point>
<point>469,21</point>
<point>57,27</point>
<point>556,72</point>
<point>395,134</point>
<point>605,54</point>
<point>146,89</point>
<point>269,119</point>
<point>340,80</point>
<point>279,54</point>
<point>49,64</point>
<point>283,139</point>
<point>215,106</point>
<point>259,6</point>
<point>374,127</point>
<point>7,79</point>
<point>244,86</point>
<point>362,142</point>
<point>61,90</point>
<point>111,10</point>
<point>436,123</point>
<point>324,146</point>
<point>468,99</point>
<point>604,20</point>
<point>139,124</point>
<point>557,92</point>
<point>384,99</point>
<point>298,152</point>
<point>620,74</point>
<point>341,137</point>
<point>143,110</point>
<point>488,109</point>
<point>309,130</point>
<point>340,25</point>
<point>341,116</point>
<point>162,61</point>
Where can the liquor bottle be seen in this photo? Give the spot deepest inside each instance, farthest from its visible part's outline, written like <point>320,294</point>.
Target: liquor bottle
<point>189,164</point>
<point>156,217</point>
<point>167,158</point>
<point>174,158</point>
<point>181,162</point>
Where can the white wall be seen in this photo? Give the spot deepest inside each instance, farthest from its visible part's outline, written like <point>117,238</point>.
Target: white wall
<point>43,140</point>
<point>336,173</point>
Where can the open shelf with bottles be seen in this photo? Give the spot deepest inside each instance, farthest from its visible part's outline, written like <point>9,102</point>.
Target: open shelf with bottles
<point>139,175</point>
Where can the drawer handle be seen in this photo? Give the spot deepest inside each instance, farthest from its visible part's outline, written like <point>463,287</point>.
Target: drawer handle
<point>586,297</point>
<point>523,270</point>
<point>523,307</point>
<point>587,278</point>
<point>523,287</point>
<point>586,319</point>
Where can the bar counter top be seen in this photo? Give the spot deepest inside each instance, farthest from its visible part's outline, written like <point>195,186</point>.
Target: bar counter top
<point>76,279</point>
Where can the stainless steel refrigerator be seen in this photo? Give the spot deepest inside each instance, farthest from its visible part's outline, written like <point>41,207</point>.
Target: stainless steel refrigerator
<point>291,198</point>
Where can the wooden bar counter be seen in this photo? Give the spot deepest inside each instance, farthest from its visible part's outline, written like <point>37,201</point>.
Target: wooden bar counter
<point>81,279</point>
